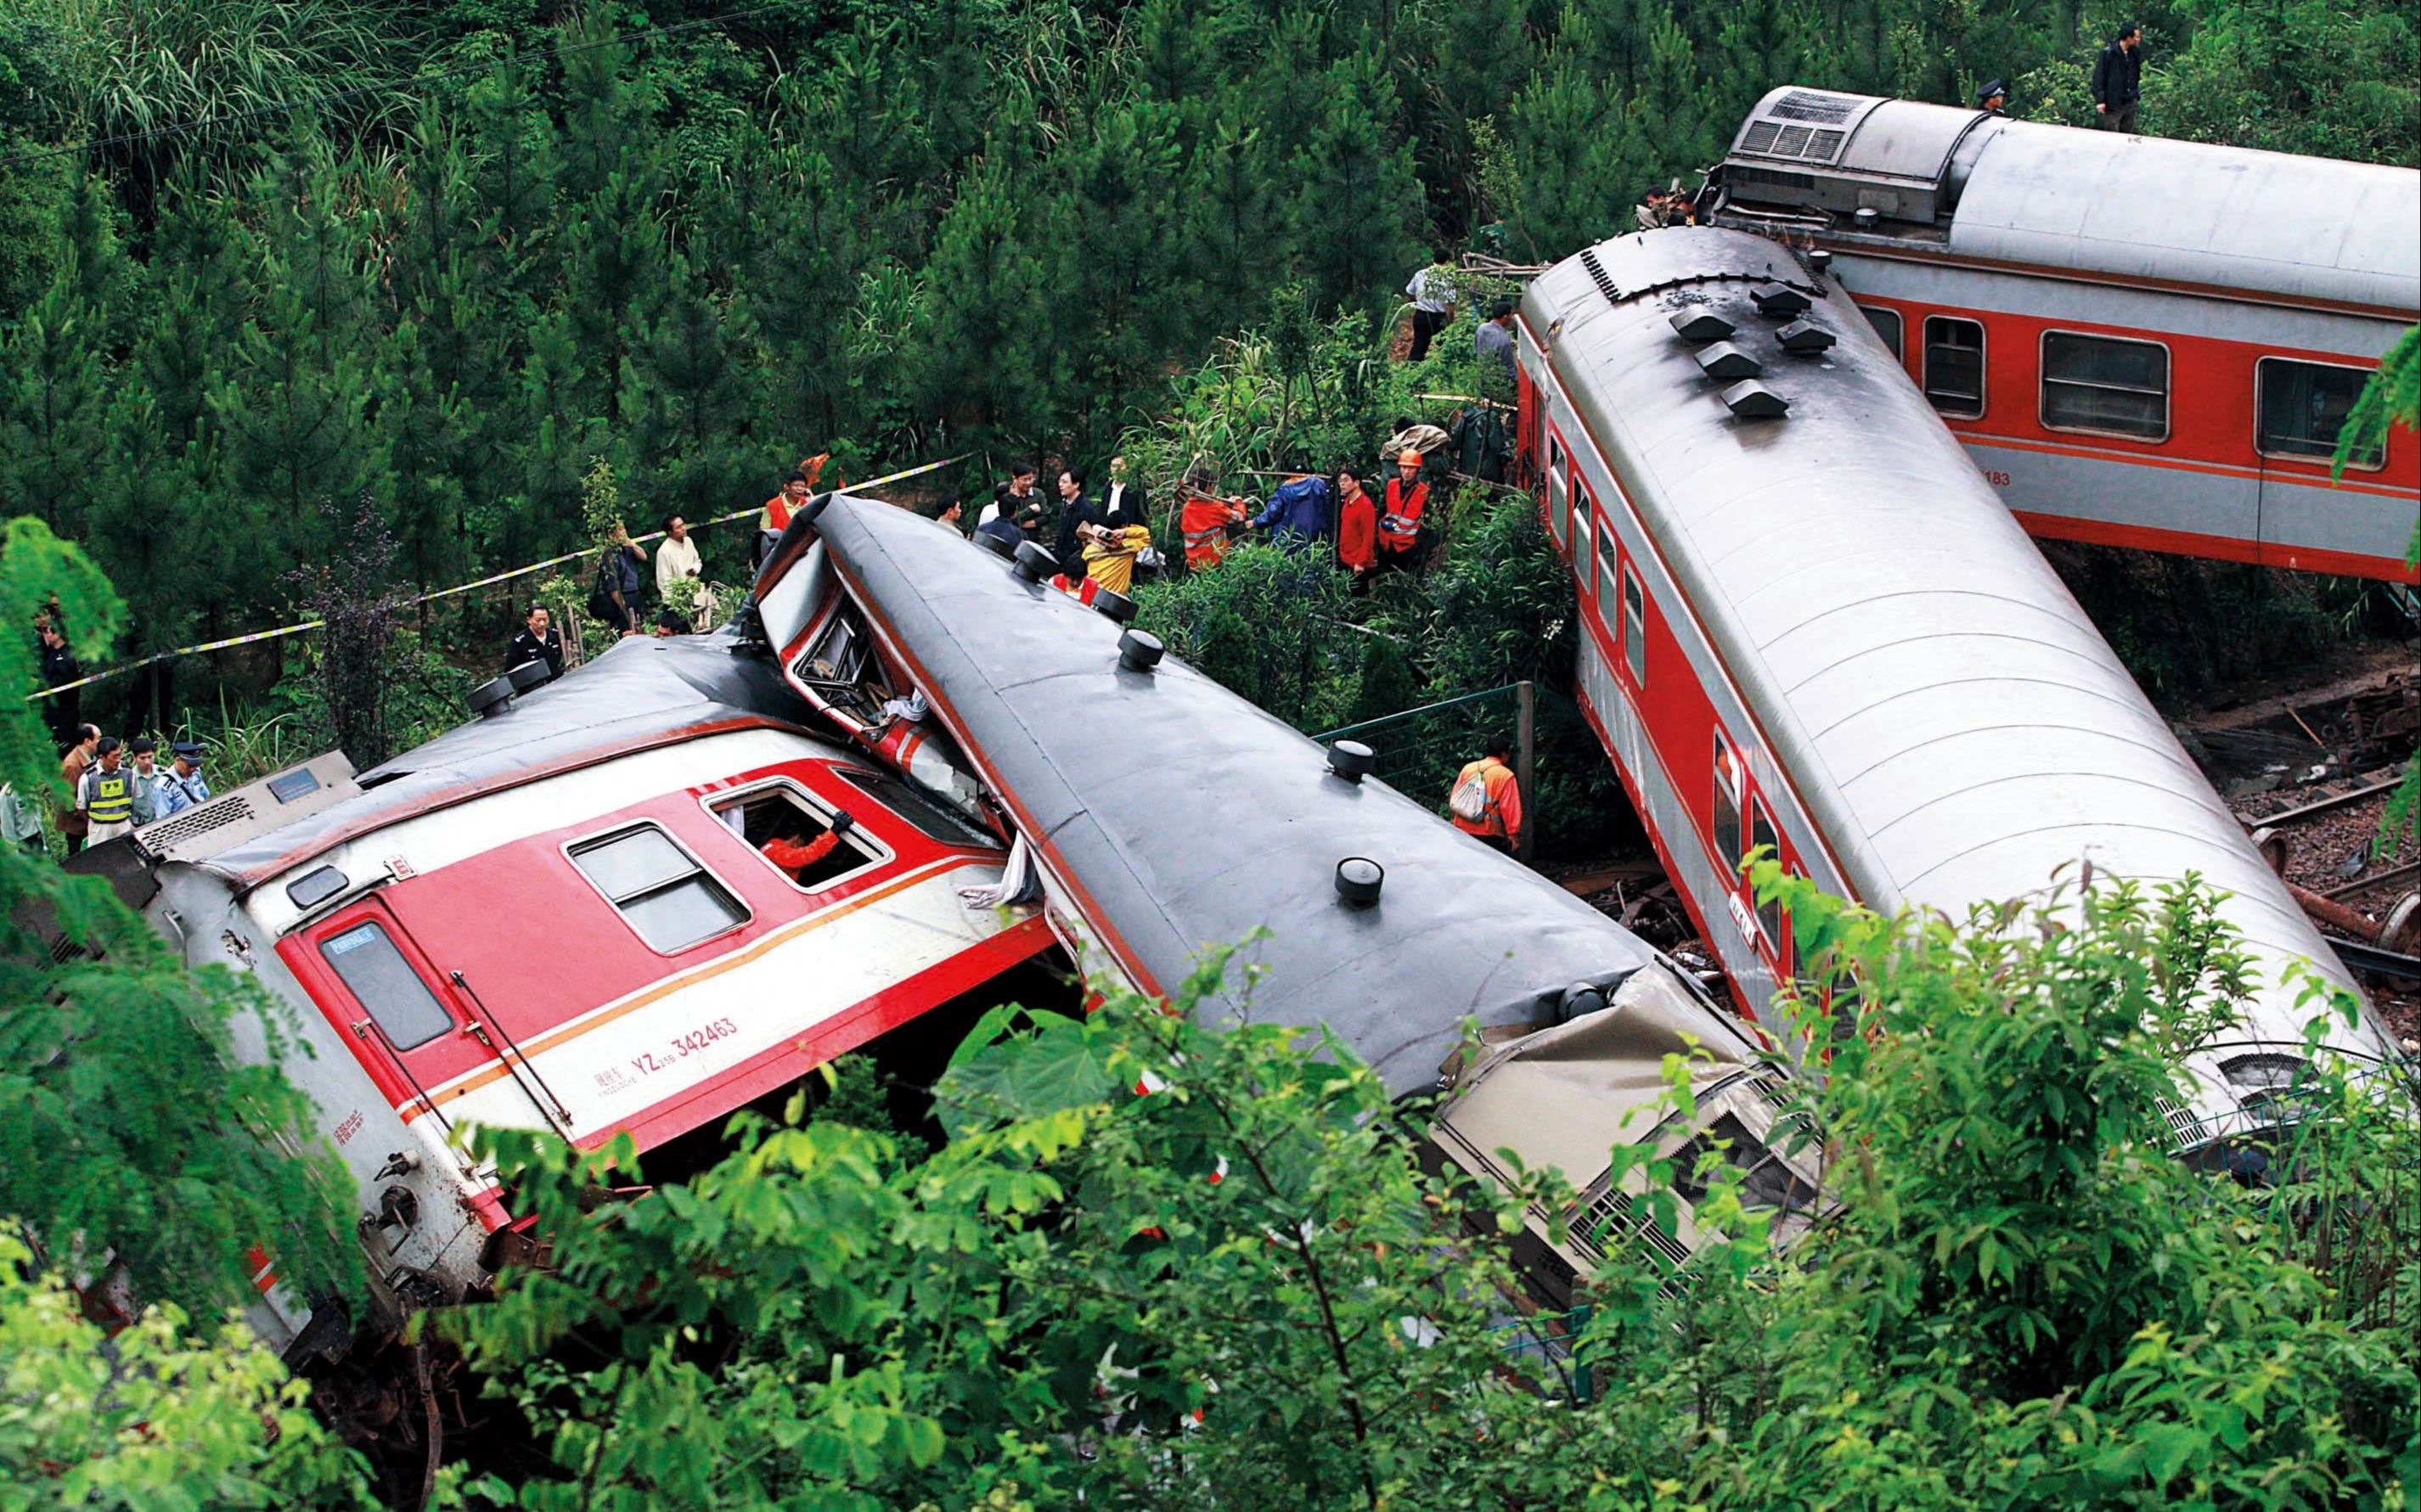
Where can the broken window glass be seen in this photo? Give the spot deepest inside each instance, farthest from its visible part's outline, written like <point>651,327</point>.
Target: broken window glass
<point>781,825</point>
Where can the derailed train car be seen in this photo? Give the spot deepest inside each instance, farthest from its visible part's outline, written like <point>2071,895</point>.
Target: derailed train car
<point>916,784</point>
<point>1810,627</point>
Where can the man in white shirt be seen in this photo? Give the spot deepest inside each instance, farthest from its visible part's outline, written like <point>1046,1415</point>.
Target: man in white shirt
<point>1123,504</point>
<point>679,574</point>
<point>1432,295</point>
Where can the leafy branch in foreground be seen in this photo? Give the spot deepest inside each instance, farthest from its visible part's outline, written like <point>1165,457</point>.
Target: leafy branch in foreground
<point>1161,1264</point>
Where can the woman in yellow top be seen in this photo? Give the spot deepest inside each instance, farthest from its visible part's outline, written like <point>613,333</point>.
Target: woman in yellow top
<point>1110,552</point>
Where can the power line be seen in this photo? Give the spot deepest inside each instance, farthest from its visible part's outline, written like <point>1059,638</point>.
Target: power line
<point>413,86</point>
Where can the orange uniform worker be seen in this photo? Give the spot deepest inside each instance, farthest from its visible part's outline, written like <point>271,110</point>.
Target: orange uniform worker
<point>1357,525</point>
<point>1408,499</point>
<point>1203,521</point>
<point>794,856</point>
<point>1486,800</point>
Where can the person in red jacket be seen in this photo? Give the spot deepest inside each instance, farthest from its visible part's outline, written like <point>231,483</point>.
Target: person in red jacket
<point>1357,527</point>
<point>1401,541</point>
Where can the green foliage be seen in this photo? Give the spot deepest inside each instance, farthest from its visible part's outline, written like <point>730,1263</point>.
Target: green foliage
<point>2391,401</point>
<point>498,241</point>
<point>146,1419</point>
<point>1163,1264</point>
<point>132,1125</point>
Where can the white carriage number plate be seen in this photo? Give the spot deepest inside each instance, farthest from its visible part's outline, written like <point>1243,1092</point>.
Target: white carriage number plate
<point>647,1062</point>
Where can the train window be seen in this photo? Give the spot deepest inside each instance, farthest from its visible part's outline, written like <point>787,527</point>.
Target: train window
<point>1954,364</point>
<point>671,900</point>
<point>2103,384</point>
<point>1886,324</point>
<point>1634,627</point>
<point>927,813</point>
<point>2301,408</point>
<point>1725,830</point>
<point>1761,834</point>
<point>1609,568</point>
<point>780,825</point>
<point>1559,503</point>
<point>400,1003</point>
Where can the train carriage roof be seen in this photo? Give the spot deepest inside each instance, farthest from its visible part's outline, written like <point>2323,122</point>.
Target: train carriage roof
<point>1189,818</point>
<point>1954,722</point>
<point>2147,208</point>
<point>641,692</point>
<point>2150,207</point>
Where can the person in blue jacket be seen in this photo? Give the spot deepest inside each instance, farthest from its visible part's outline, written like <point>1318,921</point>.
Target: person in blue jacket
<point>1299,513</point>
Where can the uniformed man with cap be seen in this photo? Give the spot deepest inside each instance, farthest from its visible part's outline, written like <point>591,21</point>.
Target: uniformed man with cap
<point>182,786</point>
<point>1993,99</point>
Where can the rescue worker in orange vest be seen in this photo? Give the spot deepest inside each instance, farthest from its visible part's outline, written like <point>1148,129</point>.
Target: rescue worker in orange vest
<point>1400,540</point>
<point>794,857</point>
<point>1486,800</point>
<point>1203,521</point>
<point>775,516</point>
<point>1357,527</point>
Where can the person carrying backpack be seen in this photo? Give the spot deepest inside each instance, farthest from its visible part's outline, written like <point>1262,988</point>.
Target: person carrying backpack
<point>617,597</point>
<point>1486,800</point>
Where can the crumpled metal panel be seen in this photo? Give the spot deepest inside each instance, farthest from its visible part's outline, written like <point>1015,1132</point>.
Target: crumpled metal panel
<point>643,692</point>
<point>1183,817</point>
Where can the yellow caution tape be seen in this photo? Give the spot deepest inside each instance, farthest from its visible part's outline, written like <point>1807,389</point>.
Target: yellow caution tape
<point>448,593</point>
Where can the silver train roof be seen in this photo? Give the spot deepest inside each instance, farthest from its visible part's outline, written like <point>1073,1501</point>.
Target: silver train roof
<point>2141,208</point>
<point>1955,723</point>
<point>641,692</point>
<point>1183,817</point>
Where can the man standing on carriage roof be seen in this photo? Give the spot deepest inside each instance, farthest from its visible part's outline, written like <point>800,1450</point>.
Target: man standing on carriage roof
<point>2119,80</point>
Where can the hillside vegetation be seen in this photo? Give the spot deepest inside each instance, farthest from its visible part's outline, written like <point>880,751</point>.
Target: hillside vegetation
<point>442,256</point>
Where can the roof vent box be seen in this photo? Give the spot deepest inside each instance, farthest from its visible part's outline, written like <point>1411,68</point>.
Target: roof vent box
<point>1823,151</point>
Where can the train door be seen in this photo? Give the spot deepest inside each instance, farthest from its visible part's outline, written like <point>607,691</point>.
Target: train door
<point>413,1036</point>
<point>1739,822</point>
<point>1559,490</point>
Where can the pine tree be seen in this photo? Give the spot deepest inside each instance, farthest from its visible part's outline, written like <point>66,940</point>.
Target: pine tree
<point>1358,213</point>
<point>1234,224</point>
<point>1121,271</point>
<point>294,405</point>
<point>688,398</point>
<point>987,359</point>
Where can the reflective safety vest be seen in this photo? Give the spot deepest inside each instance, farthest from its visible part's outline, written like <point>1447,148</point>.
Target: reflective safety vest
<point>1405,509</point>
<point>1204,524</point>
<point>112,796</point>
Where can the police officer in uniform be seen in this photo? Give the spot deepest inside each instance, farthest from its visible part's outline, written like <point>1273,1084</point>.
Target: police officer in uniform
<point>182,786</point>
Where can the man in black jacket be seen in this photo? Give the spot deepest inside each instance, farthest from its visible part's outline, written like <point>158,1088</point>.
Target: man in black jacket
<point>2119,80</point>
<point>1076,507</point>
<point>1123,504</point>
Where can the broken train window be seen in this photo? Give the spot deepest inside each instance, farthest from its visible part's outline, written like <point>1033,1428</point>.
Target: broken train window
<point>1767,1180</point>
<point>795,837</point>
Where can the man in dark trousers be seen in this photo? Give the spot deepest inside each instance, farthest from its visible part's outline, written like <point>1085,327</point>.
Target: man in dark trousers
<point>1076,509</point>
<point>64,711</point>
<point>2119,80</point>
<point>537,641</point>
